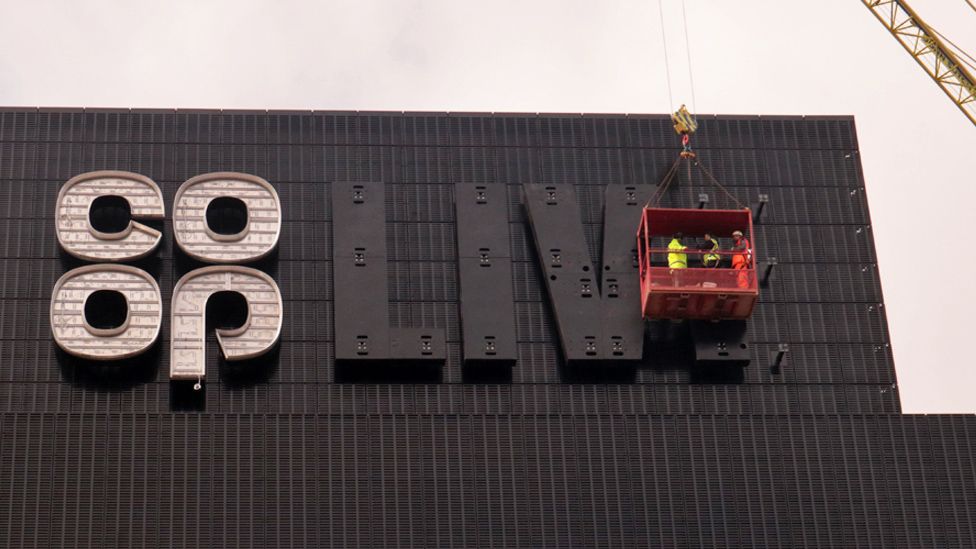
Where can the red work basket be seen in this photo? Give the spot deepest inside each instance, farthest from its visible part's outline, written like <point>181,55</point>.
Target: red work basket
<point>696,292</point>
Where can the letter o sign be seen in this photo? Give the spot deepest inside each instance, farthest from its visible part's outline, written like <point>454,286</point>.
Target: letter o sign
<point>198,240</point>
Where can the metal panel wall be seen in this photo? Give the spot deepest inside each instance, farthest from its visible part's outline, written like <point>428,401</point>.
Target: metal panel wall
<point>487,480</point>
<point>292,451</point>
<point>826,260</point>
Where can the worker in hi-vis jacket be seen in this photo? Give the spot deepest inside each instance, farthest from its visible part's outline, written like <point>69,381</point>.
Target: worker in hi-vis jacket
<point>710,245</point>
<point>677,259</point>
<point>743,259</point>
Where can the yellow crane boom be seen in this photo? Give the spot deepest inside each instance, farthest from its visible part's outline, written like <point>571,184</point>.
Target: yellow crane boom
<point>925,45</point>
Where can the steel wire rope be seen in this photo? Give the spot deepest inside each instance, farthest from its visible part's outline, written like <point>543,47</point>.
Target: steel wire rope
<point>967,59</point>
<point>691,77</point>
<point>667,64</point>
<point>663,185</point>
<point>717,184</point>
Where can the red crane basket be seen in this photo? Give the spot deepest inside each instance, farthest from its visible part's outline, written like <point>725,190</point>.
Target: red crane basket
<point>695,292</point>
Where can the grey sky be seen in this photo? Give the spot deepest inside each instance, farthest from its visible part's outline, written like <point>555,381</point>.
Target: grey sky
<point>749,57</point>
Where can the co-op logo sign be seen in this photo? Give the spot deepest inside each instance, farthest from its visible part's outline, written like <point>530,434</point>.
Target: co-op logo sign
<point>109,253</point>
<point>597,315</point>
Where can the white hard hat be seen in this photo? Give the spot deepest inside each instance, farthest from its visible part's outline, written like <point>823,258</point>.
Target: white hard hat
<point>736,233</point>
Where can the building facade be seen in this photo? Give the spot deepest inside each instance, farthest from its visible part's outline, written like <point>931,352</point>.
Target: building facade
<point>299,449</point>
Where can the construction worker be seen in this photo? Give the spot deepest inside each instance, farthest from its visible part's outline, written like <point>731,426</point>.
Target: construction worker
<point>677,260</point>
<point>710,245</point>
<point>742,260</point>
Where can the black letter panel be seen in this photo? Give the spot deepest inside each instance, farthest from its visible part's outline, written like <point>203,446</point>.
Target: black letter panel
<point>581,313</point>
<point>362,319</point>
<point>485,273</point>
<point>623,324</point>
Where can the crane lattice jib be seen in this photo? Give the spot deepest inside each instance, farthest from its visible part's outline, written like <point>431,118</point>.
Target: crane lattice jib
<point>923,43</point>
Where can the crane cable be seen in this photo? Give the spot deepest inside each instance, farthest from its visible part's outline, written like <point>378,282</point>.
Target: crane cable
<point>970,2</point>
<point>719,185</point>
<point>691,77</point>
<point>667,64</point>
<point>670,176</point>
<point>662,187</point>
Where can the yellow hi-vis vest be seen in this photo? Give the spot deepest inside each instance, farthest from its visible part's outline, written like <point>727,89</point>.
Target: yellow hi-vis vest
<point>676,260</point>
<point>710,260</point>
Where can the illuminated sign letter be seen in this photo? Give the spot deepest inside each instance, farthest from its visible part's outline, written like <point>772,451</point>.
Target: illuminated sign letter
<point>80,239</point>
<point>144,312</point>
<point>198,240</point>
<point>257,336</point>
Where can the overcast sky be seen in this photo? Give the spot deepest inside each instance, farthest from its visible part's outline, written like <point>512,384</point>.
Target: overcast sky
<point>748,57</point>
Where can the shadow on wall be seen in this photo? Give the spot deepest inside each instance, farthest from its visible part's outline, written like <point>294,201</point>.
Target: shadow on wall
<point>388,371</point>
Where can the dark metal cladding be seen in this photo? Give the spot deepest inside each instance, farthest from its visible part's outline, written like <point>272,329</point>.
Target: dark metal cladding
<point>304,449</point>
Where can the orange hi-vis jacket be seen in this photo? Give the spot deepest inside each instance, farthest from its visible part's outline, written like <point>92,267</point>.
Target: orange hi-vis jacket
<point>742,261</point>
